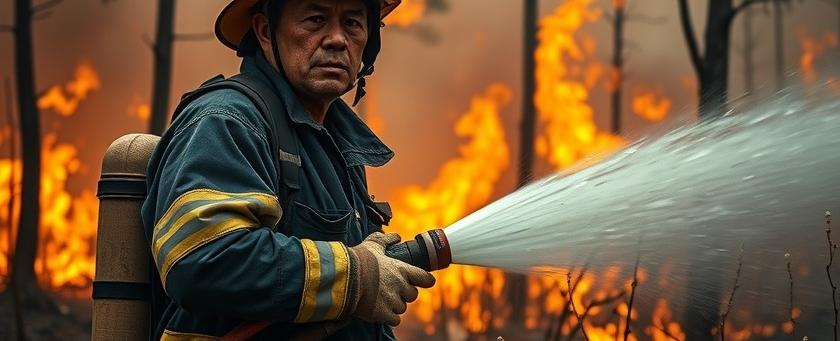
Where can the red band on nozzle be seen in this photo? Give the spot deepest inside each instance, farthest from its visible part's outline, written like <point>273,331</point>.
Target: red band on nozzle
<point>444,254</point>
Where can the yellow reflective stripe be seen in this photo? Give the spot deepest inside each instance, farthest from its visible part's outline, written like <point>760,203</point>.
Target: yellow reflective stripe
<point>269,201</point>
<point>203,212</point>
<point>169,335</point>
<point>339,287</point>
<point>199,238</point>
<point>311,281</point>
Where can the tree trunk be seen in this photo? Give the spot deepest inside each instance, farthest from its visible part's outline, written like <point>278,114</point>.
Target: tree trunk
<point>778,35</point>
<point>516,282</point>
<point>702,309</point>
<point>162,78</point>
<point>715,79</point>
<point>749,80</point>
<point>617,65</point>
<point>23,268</point>
<point>526,146</point>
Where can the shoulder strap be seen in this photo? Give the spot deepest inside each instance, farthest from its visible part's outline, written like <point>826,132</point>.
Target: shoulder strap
<point>282,137</point>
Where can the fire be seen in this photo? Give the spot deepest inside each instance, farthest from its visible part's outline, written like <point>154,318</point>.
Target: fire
<point>811,49</point>
<point>67,231</point>
<point>141,112</point>
<point>408,13</point>
<point>651,105</point>
<point>463,184</point>
<point>568,131</point>
<point>65,101</point>
<point>10,201</point>
<point>68,223</point>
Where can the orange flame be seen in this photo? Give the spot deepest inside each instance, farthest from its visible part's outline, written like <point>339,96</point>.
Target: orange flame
<point>463,184</point>
<point>568,131</point>
<point>67,231</point>
<point>811,49</point>
<point>651,105</point>
<point>408,13</point>
<point>141,112</point>
<point>68,223</point>
<point>65,101</point>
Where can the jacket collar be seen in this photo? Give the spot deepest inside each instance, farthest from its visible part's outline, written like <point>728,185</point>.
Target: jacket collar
<point>357,143</point>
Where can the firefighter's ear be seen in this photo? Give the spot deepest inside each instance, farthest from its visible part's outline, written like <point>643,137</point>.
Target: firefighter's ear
<point>262,31</point>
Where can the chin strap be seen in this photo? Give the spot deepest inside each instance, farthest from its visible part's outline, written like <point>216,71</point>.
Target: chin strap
<point>361,83</point>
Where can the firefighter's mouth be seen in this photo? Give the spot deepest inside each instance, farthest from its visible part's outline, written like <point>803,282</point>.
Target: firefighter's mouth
<point>333,67</point>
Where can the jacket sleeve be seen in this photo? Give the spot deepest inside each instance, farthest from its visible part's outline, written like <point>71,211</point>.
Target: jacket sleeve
<point>211,213</point>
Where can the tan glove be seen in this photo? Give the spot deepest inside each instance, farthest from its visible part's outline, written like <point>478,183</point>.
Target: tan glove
<point>386,285</point>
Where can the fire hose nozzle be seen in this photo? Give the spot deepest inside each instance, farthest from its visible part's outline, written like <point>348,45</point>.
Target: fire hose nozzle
<point>429,251</point>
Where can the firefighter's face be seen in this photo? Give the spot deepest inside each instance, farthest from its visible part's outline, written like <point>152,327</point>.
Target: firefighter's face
<point>321,44</point>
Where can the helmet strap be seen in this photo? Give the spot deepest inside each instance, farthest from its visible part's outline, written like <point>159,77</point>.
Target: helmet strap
<point>271,11</point>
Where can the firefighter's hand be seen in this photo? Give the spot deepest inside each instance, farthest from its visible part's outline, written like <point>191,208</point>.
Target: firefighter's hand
<point>386,285</point>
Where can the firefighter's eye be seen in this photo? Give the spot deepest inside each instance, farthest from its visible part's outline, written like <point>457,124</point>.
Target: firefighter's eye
<point>352,22</point>
<point>318,19</point>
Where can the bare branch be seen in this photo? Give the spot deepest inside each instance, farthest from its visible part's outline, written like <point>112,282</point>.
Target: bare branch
<point>690,38</point>
<point>731,295</point>
<point>572,302</point>
<point>632,295</point>
<point>192,36</point>
<point>790,277</point>
<point>832,248</point>
<point>45,6</point>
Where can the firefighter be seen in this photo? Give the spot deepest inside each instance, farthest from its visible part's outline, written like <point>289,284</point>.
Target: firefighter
<point>244,228</point>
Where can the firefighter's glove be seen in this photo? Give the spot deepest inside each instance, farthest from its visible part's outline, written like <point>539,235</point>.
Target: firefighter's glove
<point>386,285</point>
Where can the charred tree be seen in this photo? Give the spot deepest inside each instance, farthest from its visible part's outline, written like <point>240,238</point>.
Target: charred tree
<point>516,293</point>
<point>749,78</point>
<point>162,77</point>
<point>711,66</point>
<point>23,282</point>
<point>529,82</point>
<point>779,43</point>
<point>26,245</point>
<point>12,290</point>
<point>617,65</point>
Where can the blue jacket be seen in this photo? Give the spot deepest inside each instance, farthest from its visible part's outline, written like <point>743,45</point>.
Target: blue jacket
<point>211,217</point>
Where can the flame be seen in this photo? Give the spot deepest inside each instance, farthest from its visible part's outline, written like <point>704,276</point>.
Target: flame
<point>568,131</point>
<point>67,231</point>
<point>462,185</point>
<point>141,112</point>
<point>651,105</point>
<point>68,223</point>
<point>408,13</point>
<point>65,101</point>
<point>811,49</point>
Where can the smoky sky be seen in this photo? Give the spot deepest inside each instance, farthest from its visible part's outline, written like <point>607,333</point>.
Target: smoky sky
<point>424,86</point>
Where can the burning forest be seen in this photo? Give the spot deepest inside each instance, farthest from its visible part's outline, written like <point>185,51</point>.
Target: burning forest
<point>596,169</point>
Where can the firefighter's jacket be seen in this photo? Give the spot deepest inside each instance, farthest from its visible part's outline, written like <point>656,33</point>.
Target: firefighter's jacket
<point>211,217</point>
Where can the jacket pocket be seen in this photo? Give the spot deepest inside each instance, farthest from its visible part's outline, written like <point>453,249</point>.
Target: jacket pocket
<point>314,224</point>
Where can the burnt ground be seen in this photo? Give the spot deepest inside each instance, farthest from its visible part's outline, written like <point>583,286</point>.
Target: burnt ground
<point>68,319</point>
